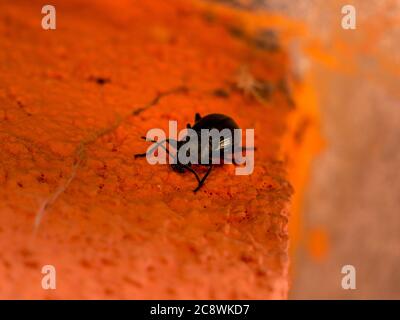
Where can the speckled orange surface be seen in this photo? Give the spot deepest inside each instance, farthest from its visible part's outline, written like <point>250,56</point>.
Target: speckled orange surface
<point>115,227</point>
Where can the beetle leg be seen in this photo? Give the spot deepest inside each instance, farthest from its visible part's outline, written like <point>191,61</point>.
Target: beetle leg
<point>143,155</point>
<point>234,161</point>
<point>249,148</point>
<point>231,159</point>
<point>236,150</point>
<point>140,155</point>
<point>240,149</point>
<point>203,179</point>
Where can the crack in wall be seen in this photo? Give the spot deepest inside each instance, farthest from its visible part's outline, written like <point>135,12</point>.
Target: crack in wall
<point>80,154</point>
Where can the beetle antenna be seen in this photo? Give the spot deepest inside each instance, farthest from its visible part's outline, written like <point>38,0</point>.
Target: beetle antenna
<point>160,144</point>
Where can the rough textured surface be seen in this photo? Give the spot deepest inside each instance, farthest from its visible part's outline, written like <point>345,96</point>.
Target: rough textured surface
<point>118,228</point>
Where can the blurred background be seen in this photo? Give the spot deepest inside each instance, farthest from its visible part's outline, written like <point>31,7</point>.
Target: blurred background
<point>351,213</point>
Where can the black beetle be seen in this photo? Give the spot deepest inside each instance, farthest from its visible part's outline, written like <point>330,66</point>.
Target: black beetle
<point>211,121</point>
